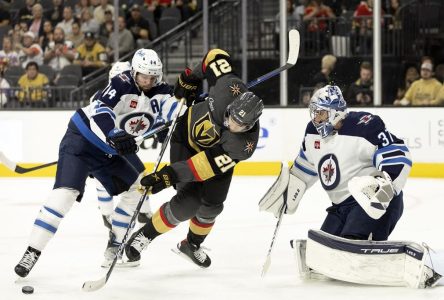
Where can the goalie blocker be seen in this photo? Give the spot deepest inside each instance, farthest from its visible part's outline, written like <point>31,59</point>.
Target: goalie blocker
<point>394,263</point>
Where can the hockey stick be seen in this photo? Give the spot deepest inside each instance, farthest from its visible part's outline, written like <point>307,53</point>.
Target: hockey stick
<point>22,170</point>
<point>19,169</point>
<point>294,41</point>
<point>94,285</point>
<point>267,263</point>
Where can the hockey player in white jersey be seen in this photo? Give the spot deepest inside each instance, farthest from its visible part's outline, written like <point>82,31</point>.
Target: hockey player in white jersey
<point>363,168</point>
<point>98,141</point>
<point>105,200</point>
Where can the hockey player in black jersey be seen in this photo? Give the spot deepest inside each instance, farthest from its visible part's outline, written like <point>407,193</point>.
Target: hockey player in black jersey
<point>209,140</point>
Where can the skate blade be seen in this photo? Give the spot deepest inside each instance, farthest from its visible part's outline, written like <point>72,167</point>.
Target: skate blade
<point>178,252</point>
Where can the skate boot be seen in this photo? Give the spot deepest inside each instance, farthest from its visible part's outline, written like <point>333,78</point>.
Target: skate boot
<point>194,253</point>
<point>27,262</point>
<point>144,217</point>
<point>431,277</point>
<point>111,250</point>
<point>107,222</point>
<point>136,244</point>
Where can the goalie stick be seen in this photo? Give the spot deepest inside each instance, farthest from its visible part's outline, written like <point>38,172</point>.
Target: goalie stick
<point>294,41</point>
<point>13,166</point>
<point>94,285</point>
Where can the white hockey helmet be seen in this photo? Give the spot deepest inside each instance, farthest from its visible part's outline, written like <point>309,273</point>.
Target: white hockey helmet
<point>119,67</point>
<point>328,98</point>
<point>146,61</point>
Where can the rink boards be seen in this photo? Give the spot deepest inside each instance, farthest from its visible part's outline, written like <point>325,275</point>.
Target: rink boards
<point>32,138</point>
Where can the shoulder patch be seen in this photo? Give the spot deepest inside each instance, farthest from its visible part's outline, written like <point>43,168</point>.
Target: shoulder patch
<point>365,119</point>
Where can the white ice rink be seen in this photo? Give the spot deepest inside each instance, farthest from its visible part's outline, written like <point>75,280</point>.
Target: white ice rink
<point>239,243</point>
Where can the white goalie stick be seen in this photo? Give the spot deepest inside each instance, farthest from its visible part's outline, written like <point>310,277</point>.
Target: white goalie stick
<point>94,285</point>
<point>13,166</point>
<point>267,263</point>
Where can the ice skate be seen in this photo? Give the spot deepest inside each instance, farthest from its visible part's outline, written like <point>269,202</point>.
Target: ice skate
<point>136,244</point>
<point>27,262</point>
<point>193,253</point>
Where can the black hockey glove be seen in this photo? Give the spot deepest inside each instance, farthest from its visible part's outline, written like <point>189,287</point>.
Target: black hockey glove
<point>122,141</point>
<point>186,86</point>
<point>159,180</point>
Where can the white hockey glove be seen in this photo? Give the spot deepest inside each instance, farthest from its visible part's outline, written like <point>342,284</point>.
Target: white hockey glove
<point>373,193</point>
<point>287,190</point>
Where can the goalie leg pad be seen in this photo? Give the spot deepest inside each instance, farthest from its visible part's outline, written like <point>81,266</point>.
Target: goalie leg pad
<point>394,263</point>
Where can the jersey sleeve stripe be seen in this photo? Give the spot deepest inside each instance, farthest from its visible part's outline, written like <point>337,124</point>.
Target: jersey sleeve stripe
<point>304,169</point>
<point>385,150</point>
<point>302,154</point>
<point>394,161</point>
<point>200,166</point>
<point>172,109</point>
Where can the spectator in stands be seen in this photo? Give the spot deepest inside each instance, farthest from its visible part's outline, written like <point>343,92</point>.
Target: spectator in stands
<point>4,84</point>
<point>99,11</point>
<point>124,37</point>
<point>363,27</point>
<point>106,28</point>
<point>36,24</point>
<point>80,6</point>
<point>91,55</point>
<point>411,75</point>
<point>440,97</point>
<point>424,91</point>
<point>293,21</point>
<point>25,13</point>
<point>360,92</point>
<point>55,13</point>
<point>88,23</point>
<point>32,85</point>
<point>187,8</point>
<point>76,36</point>
<point>30,51</point>
<point>394,10</point>
<point>59,52</point>
<point>328,63</point>
<point>48,34</point>
<point>68,19</point>
<point>439,72</point>
<point>8,55</point>
<point>5,16</point>
<point>315,13</point>
<point>139,26</point>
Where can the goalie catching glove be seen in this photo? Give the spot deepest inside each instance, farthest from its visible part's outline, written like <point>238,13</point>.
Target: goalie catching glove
<point>285,193</point>
<point>373,193</point>
<point>157,181</point>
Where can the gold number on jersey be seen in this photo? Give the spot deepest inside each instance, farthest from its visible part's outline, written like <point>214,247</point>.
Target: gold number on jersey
<point>224,162</point>
<point>220,66</point>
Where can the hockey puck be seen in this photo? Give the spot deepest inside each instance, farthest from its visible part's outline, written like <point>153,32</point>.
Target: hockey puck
<point>27,289</point>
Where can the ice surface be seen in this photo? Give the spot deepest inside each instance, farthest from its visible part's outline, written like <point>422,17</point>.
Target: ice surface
<point>239,243</point>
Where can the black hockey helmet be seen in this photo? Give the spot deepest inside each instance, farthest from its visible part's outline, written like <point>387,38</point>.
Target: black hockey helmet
<point>245,110</point>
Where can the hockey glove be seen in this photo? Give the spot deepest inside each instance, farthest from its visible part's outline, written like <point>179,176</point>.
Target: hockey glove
<point>159,180</point>
<point>373,193</point>
<point>122,141</point>
<point>186,86</point>
<point>160,136</point>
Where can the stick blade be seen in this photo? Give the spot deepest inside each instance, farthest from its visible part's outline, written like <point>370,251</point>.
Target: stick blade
<point>266,266</point>
<point>294,41</point>
<point>94,285</point>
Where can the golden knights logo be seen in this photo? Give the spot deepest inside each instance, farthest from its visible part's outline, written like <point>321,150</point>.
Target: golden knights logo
<point>204,132</point>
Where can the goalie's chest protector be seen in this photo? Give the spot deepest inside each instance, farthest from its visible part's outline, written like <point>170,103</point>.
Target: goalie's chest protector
<point>337,159</point>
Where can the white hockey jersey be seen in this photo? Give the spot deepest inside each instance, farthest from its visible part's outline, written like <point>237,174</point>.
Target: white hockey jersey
<point>361,146</point>
<point>122,105</point>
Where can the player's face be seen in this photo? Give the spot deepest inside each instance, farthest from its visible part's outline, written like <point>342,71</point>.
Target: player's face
<point>145,82</point>
<point>235,127</point>
<point>319,116</point>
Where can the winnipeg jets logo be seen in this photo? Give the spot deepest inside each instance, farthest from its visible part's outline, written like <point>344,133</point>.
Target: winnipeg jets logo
<point>137,123</point>
<point>235,89</point>
<point>328,170</point>
<point>365,119</point>
<point>249,147</point>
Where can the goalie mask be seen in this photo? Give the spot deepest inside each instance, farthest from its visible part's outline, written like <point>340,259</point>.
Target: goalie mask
<point>146,61</point>
<point>244,112</point>
<point>327,108</point>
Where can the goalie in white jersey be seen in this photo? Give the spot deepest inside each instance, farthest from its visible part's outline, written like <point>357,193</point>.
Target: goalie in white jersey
<point>363,168</point>
<point>99,141</point>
